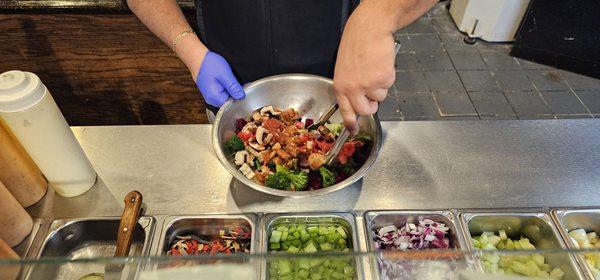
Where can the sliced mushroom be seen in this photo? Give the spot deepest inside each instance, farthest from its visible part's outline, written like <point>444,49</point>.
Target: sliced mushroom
<point>268,138</point>
<point>265,110</point>
<point>254,153</point>
<point>240,157</point>
<point>256,146</point>
<point>249,128</point>
<point>256,116</point>
<point>260,132</point>
<point>269,109</point>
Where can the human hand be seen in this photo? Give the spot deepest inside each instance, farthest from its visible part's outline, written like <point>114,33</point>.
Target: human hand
<point>216,81</point>
<point>364,69</point>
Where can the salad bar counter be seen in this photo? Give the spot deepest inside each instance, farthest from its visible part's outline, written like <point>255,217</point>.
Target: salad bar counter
<point>435,185</point>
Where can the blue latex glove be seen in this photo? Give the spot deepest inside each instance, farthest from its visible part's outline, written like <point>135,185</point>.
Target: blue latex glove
<point>216,81</point>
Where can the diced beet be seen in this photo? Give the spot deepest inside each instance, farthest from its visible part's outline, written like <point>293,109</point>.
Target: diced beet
<point>341,176</point>
<point>239,124</point>
<point>315,180</point>
<point>308,122</point>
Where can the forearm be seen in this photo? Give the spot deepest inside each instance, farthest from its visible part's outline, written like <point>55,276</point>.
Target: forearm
<point>391,15</point>
<point>166,20</point>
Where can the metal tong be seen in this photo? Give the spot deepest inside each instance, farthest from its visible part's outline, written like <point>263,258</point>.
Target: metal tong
<point>344,134</point>
<point>339,142</point>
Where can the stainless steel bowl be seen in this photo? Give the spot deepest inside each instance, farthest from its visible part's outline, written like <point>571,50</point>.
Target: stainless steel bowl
<point>311,96</point>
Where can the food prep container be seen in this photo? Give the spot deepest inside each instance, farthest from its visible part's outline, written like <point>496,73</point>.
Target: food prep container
<point>205,225</point>
<point>538,227</point>
<point>86,238</point>
<point>568,220</point>
<point>346,220</point>
<point>310,95</point>
<point>377,219</point>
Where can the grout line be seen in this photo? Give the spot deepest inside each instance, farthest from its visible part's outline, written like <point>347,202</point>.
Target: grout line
<point>535,88</point>
<point>575,93</point>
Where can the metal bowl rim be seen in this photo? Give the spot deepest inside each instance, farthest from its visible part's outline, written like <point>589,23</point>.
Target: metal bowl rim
<point>292,194</point>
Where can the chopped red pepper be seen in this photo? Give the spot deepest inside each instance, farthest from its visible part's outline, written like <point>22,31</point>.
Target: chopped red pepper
<point>244,136</point>
<point>324,146</point>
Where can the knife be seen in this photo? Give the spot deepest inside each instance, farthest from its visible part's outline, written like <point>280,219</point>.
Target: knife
<point>129,219</point>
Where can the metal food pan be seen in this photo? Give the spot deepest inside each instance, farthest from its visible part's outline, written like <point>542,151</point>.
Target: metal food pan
<point>85,238</point>
<point>568,220</point>
<point>344,219</point>
<point>538,227</point>
<point>378,219</point>
<point>205,225</point>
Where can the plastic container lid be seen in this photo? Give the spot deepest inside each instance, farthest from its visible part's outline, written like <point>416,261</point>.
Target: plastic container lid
<point>19,90</point>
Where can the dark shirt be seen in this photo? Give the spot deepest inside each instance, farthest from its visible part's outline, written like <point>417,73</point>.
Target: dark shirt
<point>260,38</point>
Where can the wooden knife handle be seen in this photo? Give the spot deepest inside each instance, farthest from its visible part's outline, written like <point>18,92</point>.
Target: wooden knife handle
<point>131,214</point>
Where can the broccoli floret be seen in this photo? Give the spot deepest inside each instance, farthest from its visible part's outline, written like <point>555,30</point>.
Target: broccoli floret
<point>234,144</point>
<point>299,180</point>
<point>278,181</point>
<point>284,179</point>
<point>328,176</point>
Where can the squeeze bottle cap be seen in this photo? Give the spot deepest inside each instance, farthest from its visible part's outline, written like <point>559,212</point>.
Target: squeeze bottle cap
<point>19,91</point>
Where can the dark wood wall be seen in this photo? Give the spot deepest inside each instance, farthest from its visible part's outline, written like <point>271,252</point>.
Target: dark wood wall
<point>102,68</point>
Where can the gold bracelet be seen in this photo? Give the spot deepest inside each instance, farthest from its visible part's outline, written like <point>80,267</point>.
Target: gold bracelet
<point>179,36</point>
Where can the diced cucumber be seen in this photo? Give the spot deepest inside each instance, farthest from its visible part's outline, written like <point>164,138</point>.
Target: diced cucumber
<point>302,274</point>
<point>326,246</point>
<point>342,232</point>
<point>275,246</point>
<point>285,267</point>
<point>313,230</point>
<point>275,236</point>
<point>282,228</point>
<point>310,248</point>
<point>304,263</point>
<point>293,249</point>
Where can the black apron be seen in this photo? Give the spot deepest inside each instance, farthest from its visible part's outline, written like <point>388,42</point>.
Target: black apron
<point>260,38</point>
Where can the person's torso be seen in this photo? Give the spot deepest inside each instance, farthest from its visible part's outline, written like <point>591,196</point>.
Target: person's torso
<point>261,38</point>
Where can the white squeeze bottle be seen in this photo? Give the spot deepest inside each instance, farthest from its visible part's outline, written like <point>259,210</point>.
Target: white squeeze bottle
<point>30,112</point>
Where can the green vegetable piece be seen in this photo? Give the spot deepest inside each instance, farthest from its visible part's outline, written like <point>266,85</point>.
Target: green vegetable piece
<point>287,277</point>
<point>312,230</point>
<point>275,246</point>
<point>279,181</point>
<point>285,267</point>
<point>304,263</point>
<point>328,176</point>
<point>334,128</point>
<point>299,179</point>
<point>323,231</point>
<point>282,228</point>
<point>349,270</point>
<point>538,259</point>
<point>337,275</point>
<point>310,248</point>
<point>326,246</point>
<point>296,234</point>
<point>293,249</point>
<point>275,236</point>
<point>302,274</point>
<point>284,235</point>
<point>557,274</point>
<point>321,239</point>
<point>342,232</point>
<point>525,244</point>
<point>304,236</point>
<point>297,243</point>
<point>315,276</point>
<point>234,144</point>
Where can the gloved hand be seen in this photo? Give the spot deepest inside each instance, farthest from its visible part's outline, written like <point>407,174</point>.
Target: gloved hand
<point>216,81</point>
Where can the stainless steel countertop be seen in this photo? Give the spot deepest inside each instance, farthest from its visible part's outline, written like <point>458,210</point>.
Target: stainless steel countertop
<point>422,165</point>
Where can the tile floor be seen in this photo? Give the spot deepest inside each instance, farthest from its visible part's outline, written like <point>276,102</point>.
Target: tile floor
<point>438,77</point>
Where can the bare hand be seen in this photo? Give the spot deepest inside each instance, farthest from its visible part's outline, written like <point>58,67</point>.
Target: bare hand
<point>364,70</point>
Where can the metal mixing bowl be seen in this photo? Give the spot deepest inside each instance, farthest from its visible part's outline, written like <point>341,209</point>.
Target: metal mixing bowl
<point>311,96</point>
